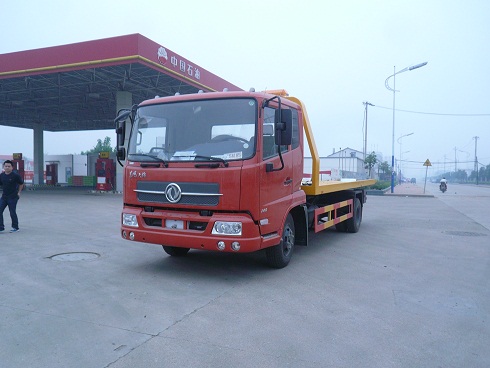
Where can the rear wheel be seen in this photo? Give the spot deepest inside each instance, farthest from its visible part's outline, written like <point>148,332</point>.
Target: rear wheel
<point>175,251</point>
<point>353,224</point>
<point>279,255</point>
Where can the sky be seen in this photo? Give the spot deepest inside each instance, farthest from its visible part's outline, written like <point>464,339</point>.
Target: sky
<point>333,55</point>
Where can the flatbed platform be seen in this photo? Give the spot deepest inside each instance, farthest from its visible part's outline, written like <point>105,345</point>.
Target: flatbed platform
<point>323,187</point>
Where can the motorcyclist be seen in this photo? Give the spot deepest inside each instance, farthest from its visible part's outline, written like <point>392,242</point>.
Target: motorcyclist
<point>443,183</point>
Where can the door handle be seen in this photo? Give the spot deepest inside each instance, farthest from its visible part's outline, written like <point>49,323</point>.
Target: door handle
<point>288,181</point>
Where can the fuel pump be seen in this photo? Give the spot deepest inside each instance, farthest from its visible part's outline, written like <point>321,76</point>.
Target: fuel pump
<point>52,174</point>
<point>18,164</point>
<point>105,169</point>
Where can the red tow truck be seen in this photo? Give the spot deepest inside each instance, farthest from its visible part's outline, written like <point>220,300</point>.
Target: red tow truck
<point>223,171</point>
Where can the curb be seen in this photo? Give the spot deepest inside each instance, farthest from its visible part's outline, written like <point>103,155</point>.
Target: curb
<point>384,192</point>
<point>409,195</point>
<point>34,187</point>
<point>104,192</point>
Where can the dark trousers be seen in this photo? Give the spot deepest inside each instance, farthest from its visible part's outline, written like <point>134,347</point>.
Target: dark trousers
<point>12,205</point>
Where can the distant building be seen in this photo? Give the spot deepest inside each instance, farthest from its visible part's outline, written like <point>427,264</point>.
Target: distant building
<point>346,163</point>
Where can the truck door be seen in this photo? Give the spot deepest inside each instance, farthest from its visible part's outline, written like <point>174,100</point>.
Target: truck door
<point>276,187</point>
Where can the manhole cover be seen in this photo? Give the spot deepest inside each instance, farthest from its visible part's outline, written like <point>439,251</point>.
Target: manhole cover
<point>75,256</point>
<point>464,233</point>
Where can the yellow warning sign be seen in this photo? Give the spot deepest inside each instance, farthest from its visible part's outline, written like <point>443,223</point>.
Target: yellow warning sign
<point>427,163</point>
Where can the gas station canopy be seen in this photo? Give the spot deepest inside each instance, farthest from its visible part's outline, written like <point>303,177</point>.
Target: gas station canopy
<point>75,87</point>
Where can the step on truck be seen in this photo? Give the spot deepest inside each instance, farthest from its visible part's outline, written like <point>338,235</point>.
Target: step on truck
<point>223,171</point>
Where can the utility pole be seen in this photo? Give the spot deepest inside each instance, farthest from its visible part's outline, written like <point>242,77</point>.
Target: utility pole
<point>364,151</point>
<point>476,158</point>
<point>455,161</point>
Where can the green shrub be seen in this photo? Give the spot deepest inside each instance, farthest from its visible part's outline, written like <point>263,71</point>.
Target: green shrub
<point>380,185</point>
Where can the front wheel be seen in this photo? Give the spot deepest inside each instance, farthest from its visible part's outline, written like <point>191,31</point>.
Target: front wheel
<point>175,251</point>
<point>279,255</point>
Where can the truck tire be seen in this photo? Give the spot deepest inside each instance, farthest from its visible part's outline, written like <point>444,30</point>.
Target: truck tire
<point>353,224</point>
<point>279,255</point>
<point>175,251</point>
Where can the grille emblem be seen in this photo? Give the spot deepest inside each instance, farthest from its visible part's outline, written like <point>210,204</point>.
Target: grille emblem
<point>173,193</point>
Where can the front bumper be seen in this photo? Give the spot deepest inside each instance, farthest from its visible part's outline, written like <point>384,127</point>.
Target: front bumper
<point>193,231</point>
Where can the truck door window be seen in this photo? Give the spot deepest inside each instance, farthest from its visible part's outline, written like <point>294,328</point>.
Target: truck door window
<point>269,147</point>
<point>295,143</point>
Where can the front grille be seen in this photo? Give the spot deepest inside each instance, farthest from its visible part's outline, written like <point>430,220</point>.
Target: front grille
<point>198,194</point>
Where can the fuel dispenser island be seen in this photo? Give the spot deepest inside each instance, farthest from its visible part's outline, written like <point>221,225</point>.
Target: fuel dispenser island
<point>105,169</point>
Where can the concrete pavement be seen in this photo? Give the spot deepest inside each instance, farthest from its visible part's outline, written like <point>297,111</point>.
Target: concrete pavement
<point>410,289</point>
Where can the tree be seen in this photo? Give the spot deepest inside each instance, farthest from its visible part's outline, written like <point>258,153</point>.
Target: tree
<point>385,168</point>
<point>370,161</point>
<point>484,173</point>
<point>461,176</point>
<point>101,146</point>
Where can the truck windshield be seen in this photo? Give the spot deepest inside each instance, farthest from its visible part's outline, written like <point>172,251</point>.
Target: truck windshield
<point>199,130</point>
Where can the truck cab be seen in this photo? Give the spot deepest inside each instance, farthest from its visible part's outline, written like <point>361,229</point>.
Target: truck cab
<point>209,171</point>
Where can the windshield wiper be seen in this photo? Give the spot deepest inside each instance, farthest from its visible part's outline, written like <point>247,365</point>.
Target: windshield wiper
<point>151,156</point>
<point>213,165</point>
<point>211,158</point>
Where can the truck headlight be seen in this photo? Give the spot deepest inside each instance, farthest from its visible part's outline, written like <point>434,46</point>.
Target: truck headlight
<point>129,220</point>
<point>227,228</point>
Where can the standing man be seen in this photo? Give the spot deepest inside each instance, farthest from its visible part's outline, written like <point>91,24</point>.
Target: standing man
<point>12,185</point>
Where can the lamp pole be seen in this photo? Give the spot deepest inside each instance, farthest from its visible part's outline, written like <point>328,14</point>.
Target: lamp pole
<point>364,150</point>
<point>401,168</point>
<point>400,143</point>
<point>476,159</point>
<point>408,68</point>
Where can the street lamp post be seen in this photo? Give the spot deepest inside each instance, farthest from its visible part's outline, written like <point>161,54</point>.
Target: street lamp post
<point>364,150</point>
<point>400,166</point>
<point>467,156</point>
<point>400,143</point>
<point>408,68</point>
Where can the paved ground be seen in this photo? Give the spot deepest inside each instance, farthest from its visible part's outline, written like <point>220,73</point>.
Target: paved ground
<point>411,289</point>
<point>409,189</point>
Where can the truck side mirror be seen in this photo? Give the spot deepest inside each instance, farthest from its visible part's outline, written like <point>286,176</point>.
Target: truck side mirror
<point>283,121</point>
<point>121,153</point>
<point>120,136</point>
<point>121,132</point>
